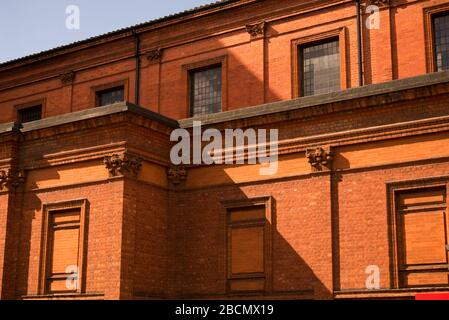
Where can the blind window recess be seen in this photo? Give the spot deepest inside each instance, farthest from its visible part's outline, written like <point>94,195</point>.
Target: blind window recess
<point>63,252</point>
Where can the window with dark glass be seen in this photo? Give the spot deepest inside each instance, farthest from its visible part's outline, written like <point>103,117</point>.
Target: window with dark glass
<point>320,67</point>
<point>30,114</point>
<point>110,96</point>
<point>441,41</point>
<point>205,91</point>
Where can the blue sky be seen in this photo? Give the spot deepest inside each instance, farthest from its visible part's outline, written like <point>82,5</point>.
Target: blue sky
<point>30,26</point>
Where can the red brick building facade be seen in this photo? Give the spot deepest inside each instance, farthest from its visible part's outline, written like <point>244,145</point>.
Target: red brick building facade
<point>359,199</point>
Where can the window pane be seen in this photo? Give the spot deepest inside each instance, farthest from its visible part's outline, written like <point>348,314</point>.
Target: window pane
<point>110,96</point>
<point>205,91</point>
<point>320,68</point>
<point>441,35</point>
<point>30,114</point>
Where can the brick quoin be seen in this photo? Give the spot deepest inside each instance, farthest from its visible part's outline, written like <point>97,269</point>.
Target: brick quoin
<point>152,230</point>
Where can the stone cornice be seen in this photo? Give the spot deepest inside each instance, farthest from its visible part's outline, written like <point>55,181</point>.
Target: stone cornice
<point>9,127</point>
<point>142,120</point>
<point>371,95</point>
<point>96,117</point>
<point>358,136</point>
<point>127,120</point>
<point>370,134</point>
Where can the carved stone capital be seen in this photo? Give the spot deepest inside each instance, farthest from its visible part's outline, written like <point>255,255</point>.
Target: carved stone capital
<point>155,55</point>
<point>67,78</point>
<point>256,30</point>
<point>177,174</point>
<point>121,165</point>
<point>379,3</point>
<point>320,158</point>
<point>11,179</point>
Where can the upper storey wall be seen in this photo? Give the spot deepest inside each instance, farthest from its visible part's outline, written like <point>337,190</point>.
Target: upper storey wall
<point>256,69</point>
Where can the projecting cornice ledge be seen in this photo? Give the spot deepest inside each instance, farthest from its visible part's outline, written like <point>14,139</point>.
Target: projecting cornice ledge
<point>98,112</point>
<point>9,127</point>
<point>387,92</point>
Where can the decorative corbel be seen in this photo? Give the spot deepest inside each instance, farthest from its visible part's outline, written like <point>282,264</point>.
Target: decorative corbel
<point>256,30</point>
<point>11,179</point>
<point>320,158</point>
<point>155,55</point>
<point>177,174</point>
<point>380,3</point>
<point>67,78</point>
<point>123,165</point>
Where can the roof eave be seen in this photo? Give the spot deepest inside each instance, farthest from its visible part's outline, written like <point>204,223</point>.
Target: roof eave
<point>187,15</point>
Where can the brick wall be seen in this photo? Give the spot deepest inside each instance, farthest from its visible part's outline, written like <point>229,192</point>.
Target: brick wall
<point>301,237</point>
<point>103,240</point>
<point>145,246</point>
<point>150,238</point>
<point>263,66</point>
